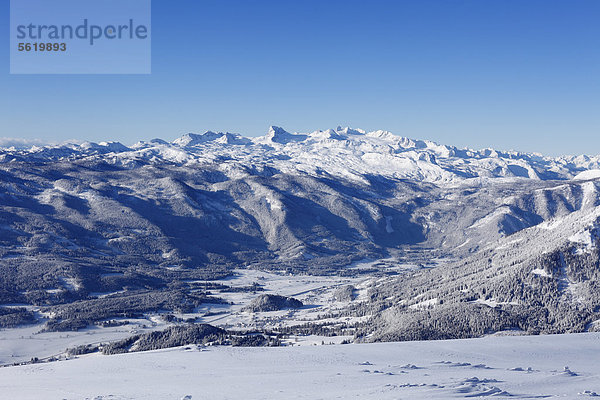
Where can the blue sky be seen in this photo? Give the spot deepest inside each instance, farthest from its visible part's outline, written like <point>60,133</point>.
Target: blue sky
<point>509,74</point>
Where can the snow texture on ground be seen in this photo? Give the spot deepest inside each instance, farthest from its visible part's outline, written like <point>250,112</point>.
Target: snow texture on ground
<point>523,367</point>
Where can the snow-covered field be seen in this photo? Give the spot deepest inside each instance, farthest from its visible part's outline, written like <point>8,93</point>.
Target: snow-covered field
<point>21,344</point>
<point>516,367</point>
<point>314,291</point>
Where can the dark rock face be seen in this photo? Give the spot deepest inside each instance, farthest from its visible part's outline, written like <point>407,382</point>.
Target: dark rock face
<point>271,302</point>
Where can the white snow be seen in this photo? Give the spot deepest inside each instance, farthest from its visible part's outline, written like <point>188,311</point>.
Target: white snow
<point>586,237</point>
<point>551,224</point>
<point>424,304</point>
<point>21,344</point>
<point>541,272</point>
<point>71,284</point>
<point>589,174</point>
<point>515,367</point>
<point>316,292</point>
<point>493,303</point>
<point>492,217</point>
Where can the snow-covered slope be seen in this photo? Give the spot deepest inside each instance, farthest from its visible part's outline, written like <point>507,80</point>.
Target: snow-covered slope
<point>541,279</point>
<point>553,367</point>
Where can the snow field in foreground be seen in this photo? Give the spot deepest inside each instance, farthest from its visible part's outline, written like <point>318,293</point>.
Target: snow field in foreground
<point>513,367</point>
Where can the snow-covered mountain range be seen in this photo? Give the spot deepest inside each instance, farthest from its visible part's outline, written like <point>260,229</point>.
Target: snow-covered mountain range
<point>92,231</point>
<point>343,152</point>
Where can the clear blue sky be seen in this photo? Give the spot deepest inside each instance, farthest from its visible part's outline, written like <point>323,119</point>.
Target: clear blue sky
<point>509,74</point>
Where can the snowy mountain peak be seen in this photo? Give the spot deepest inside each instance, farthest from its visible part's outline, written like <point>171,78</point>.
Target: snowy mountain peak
<point>349,131</point>
<point>113,146</point>
<point>159,141</point>
<point>193,139</point>
<point>328,134</point>
<point>281,136</point>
